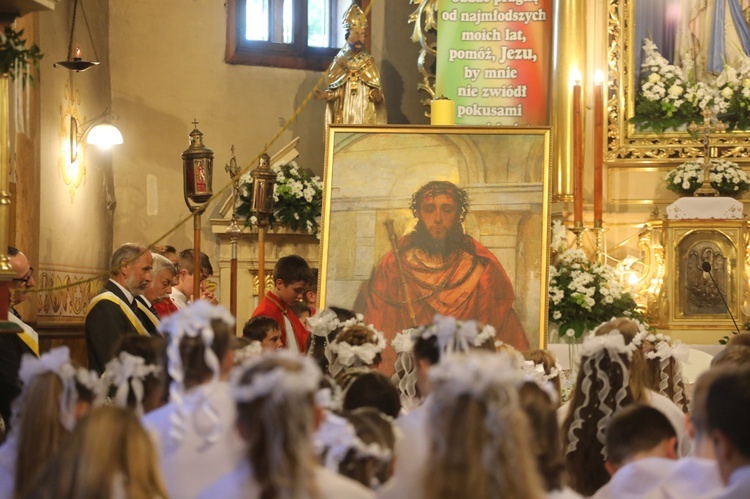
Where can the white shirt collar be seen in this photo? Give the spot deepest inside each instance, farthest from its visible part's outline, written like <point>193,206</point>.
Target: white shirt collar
<point>179,298</point>
<point>127,293</point>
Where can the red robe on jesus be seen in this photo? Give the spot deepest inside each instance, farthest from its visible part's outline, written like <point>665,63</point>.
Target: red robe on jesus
<point>465,286</point>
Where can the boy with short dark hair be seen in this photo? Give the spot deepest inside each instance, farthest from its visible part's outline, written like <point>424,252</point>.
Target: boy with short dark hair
<point>264,330</point>
<point>291,275</point>
<point>641,446</point>
<point>728,411</point>
<point>302,311</point>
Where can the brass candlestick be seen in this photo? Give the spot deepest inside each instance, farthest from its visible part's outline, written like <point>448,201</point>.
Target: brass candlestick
<point>578,229</point>
<point>599,246</point>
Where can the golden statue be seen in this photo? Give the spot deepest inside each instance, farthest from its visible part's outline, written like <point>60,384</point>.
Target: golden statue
<point>354,95</point>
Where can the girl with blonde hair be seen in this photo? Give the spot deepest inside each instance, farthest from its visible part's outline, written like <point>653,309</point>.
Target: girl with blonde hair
<point>550,367</point>
<point>109,455</point>
<point>276,417</point>
<point>636,336</point>
<point>56,394</point>
<point>195,430</point>
<point>478,436</point>
<point>539,406</point>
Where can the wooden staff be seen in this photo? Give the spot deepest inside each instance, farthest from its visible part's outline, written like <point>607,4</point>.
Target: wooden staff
<point>394,244</point>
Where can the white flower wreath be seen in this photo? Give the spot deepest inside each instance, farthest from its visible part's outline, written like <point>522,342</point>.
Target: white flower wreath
<point>279,382</point>
<point>57,361</point>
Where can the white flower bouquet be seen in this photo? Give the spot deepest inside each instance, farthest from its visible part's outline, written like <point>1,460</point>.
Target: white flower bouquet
<point>297,196</point>
<point>732,100</point>
<point>583,294</point>
<point>725,176</point>
<point>667,98</point>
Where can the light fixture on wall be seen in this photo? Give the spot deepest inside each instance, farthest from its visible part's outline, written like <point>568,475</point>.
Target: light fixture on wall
<point>97,131</point>
<point>74,61</point>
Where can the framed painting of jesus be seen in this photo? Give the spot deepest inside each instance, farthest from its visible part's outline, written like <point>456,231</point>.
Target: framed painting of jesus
<point>426,220</point>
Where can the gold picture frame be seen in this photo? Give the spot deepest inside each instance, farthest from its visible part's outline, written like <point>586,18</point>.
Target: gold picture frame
<point>372,175</point>
<point>624,142</point>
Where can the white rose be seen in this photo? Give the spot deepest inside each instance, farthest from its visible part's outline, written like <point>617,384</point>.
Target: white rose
<point>727,92</point>
<point>746,83</point>
<point>654,77</point>
<point>570,332</point>
<point>675,90</point>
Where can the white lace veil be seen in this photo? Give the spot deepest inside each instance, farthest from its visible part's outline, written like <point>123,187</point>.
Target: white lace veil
<point>674,353</point>
<point>595,349</point>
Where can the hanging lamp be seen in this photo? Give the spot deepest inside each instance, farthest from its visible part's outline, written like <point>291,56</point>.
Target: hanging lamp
<point>74,61</point>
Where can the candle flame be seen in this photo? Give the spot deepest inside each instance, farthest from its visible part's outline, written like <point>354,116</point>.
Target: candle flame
<point>599,77</point>
<point>78,52</point>
<point>575,76</point>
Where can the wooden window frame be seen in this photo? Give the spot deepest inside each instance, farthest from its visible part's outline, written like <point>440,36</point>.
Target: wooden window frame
<point>296,55</point>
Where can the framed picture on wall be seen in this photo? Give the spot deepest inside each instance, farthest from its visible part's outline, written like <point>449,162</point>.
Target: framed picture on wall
<point>421,220</point>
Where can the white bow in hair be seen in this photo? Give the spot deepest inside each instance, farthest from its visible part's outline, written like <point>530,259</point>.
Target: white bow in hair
<point>55,361</point>
<point>125,371</point>
<point>323,323</point>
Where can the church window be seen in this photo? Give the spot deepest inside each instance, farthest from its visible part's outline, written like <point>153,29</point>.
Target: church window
<point>298,34</point>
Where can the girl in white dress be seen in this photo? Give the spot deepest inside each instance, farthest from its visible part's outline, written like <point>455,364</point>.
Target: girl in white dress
<point>276,416</point>
<point>56,394</point>
<point>137,385</point>
<point>538,403</point>
<point>664,368</point>
<point>355,346</point>
<point>359,445</point>
<point>108,455</point>
<point>602,387</point>
<point>478,436</point>
<point>195,431</point>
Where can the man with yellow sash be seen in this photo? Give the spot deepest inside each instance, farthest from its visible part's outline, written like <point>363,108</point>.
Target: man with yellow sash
<point>14,346</point>
<point>113,313</point>
<point>163,274</point>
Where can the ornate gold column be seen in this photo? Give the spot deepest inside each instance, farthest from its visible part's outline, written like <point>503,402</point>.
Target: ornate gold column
<point>6,273</point>
<point>569,56</point>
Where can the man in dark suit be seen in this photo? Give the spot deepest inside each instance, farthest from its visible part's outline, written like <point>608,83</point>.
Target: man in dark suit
<point>14,346</point>
<point>114,312</point>
<point>163,274</point>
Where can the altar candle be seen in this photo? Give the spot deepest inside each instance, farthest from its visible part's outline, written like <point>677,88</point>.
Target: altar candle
<point>577,153</point>
<point>442,112</point>
<point>598,143</point>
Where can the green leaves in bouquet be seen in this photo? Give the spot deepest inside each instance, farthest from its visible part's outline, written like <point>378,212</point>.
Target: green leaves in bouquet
<point>14,55</point>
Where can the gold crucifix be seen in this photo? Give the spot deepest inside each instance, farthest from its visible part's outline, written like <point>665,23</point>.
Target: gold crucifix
<point>706,189</point>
